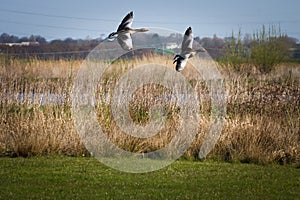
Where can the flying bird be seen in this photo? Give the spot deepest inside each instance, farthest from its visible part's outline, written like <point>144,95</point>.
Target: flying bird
<point>187,50</point>
<point>124,31</point>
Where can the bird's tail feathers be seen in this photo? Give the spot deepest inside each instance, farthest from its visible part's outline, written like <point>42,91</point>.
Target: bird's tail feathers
<point>112,36</point>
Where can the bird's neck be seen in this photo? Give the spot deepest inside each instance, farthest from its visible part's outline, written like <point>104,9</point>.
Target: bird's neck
<point>140,30</point>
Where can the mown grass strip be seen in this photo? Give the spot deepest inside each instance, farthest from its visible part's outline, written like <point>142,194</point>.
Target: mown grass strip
<point>86,178</point>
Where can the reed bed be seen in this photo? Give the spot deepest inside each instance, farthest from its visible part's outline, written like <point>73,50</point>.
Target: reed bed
<point>262,121</point>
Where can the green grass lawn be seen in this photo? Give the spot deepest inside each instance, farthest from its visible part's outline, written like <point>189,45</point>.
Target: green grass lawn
<point>86,178</point>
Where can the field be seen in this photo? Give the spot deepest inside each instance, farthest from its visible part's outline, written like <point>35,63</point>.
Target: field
<point>262,128</point>
<point>86,178</point>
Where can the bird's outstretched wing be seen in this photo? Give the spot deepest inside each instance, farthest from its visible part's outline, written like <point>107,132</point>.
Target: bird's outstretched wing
<point>126,22</point>
<point>187,43</point>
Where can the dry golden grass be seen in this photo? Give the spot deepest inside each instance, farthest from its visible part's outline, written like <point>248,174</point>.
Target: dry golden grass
<point>262,122</point>
<point>38,68</point>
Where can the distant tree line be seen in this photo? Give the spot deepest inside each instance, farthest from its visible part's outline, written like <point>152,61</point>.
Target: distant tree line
<point>264,48</point>
<point>55,49</point>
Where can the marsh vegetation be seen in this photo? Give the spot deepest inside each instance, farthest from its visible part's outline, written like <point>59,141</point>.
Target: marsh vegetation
<point>262,120</point>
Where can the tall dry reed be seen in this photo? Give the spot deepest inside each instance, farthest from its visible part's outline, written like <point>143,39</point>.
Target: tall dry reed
<point>262,121</point>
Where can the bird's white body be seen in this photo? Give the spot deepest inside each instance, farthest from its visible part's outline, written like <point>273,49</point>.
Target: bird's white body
<point>125,40</point>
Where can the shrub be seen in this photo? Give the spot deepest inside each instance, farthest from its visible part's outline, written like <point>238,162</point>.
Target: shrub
<point>264,50</point>
<point>235,53</point>
<point>268,50</point>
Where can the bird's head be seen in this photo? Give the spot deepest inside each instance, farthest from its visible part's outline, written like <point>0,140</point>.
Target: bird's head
<point>144,30</point>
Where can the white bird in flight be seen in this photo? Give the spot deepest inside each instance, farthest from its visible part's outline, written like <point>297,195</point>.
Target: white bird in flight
<point>124,32</point>
<point>187,50</point>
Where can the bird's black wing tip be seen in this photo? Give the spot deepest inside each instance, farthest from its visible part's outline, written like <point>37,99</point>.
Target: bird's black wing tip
<point>129,15</point>
<point>188,31</point>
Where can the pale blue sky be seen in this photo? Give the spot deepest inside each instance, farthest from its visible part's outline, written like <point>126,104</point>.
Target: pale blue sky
<point>79,19</point>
